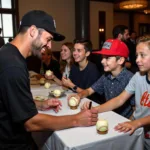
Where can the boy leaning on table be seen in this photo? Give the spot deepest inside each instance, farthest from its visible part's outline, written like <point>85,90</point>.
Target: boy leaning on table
<point>114,54</point>
<point>140,86</point>
<point>18,114</point>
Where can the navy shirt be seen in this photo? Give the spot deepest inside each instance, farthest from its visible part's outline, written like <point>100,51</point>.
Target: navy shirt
<point>112,87</point>
<point>85,78</point>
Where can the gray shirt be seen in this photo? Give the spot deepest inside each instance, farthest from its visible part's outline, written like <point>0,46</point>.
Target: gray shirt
<point>140,86</point>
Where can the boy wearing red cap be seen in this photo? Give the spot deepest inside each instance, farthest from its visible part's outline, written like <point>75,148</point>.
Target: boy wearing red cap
<point>114,53</point>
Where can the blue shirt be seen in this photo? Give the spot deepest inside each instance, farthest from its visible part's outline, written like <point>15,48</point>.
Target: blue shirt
<point>86,77</point>
<point>112,87</point>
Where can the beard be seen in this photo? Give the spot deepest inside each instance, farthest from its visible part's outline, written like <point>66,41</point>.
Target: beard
<point>36,47</point>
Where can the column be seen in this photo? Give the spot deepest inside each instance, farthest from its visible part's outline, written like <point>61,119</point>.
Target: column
<point>82,24</point>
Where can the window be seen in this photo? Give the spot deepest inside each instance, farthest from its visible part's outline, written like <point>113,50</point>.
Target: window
<point>8,18</point>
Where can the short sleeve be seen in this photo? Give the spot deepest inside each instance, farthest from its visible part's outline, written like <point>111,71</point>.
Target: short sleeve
<point>130,88</point>
<point>16,96</point>
<point>98,86</point>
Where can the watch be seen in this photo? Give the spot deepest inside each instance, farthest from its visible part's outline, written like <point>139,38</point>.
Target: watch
<point>74,88</point>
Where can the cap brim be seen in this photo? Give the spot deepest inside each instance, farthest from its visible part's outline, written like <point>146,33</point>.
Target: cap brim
<point>57,36</point>
<point>104,52</point>
<point>97,52</point>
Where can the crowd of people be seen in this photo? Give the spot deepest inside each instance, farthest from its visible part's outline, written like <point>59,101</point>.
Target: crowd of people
<point>125,83</point>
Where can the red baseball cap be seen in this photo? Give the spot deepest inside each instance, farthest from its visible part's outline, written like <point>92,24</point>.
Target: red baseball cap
<point>114,47</point>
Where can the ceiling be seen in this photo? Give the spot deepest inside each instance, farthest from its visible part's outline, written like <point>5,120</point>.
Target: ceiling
<point>116,5</point>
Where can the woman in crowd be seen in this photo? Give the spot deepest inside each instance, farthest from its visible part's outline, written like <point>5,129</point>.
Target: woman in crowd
<point>66,62</point>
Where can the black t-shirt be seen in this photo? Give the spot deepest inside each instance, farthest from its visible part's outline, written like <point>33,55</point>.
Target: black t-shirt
<point>16,102</point>
<point>85,78</point>
<point>53,66</point>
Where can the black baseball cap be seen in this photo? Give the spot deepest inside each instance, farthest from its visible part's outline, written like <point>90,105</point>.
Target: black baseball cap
<point>42,20</point>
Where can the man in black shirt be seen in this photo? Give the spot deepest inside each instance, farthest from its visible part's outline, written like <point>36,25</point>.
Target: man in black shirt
<point>18,114</point>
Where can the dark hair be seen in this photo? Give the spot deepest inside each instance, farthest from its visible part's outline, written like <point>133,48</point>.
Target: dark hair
<point>119,29</point>
<point>131,31</point>
<point>125,60</point>
<point>86,43</point>
<point>50,53</point>
<point>63,63</point>
<point>23,29</point>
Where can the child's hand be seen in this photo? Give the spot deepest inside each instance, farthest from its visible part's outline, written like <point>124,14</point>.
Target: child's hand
<point>52,76</point>
<point>85,105</point>
<point>66,82</point>
<point>128,126</point>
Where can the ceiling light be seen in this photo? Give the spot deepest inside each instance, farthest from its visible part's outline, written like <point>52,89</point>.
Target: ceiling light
<point>133,4</point>
<point>147,11</point>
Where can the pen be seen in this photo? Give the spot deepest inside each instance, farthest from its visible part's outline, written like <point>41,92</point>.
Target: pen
<point>66,76</point>
<point>90,105</point>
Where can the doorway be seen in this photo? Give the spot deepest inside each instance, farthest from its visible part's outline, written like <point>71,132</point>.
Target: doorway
<point>144,28</point>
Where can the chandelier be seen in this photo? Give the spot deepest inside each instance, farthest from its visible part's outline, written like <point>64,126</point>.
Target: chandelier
<point>147,11</point>
<point>133,4</point>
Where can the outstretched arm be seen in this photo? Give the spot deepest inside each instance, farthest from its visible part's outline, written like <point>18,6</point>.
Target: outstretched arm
<point>68,83</point>
<point>48,122</point>
<point>53,77</point>
<point>86,92</point>
<point>114,102</point>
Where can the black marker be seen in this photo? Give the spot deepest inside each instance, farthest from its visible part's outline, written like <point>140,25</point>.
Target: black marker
<point>90,105</point>
<point>66,76</point>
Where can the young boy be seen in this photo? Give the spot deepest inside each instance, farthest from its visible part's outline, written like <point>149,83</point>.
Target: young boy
<point>140,86</point>
<point>112,83</point>
<point>84,73</point>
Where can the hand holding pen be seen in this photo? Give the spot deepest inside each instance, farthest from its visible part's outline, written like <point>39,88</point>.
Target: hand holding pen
<point>66,76</point>
<point>90,105</point>
<point>86,105</point>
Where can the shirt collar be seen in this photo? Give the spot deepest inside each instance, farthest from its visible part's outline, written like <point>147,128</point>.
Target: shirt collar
<point>120,76</point>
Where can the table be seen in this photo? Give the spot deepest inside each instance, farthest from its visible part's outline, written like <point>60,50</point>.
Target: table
<point>85,138</point>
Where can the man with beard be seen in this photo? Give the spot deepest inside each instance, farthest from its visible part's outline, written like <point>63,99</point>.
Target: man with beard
<point>121,32</point>
<point>18,114</point>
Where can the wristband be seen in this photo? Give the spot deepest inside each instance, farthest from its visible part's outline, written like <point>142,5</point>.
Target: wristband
<point>74,88</point>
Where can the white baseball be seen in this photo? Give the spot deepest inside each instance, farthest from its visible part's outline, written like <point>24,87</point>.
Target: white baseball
<point>48,72</point>
<point>102,125</point>
<point>57,93</point>
<point>47,85</point>
<point>73,101</point>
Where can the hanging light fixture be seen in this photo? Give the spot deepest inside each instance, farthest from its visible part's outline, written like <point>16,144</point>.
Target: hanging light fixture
<point>133,4</point>
<point>147,11</point>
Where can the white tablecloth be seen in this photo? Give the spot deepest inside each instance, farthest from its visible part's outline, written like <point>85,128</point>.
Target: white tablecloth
<point>86,138</point>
